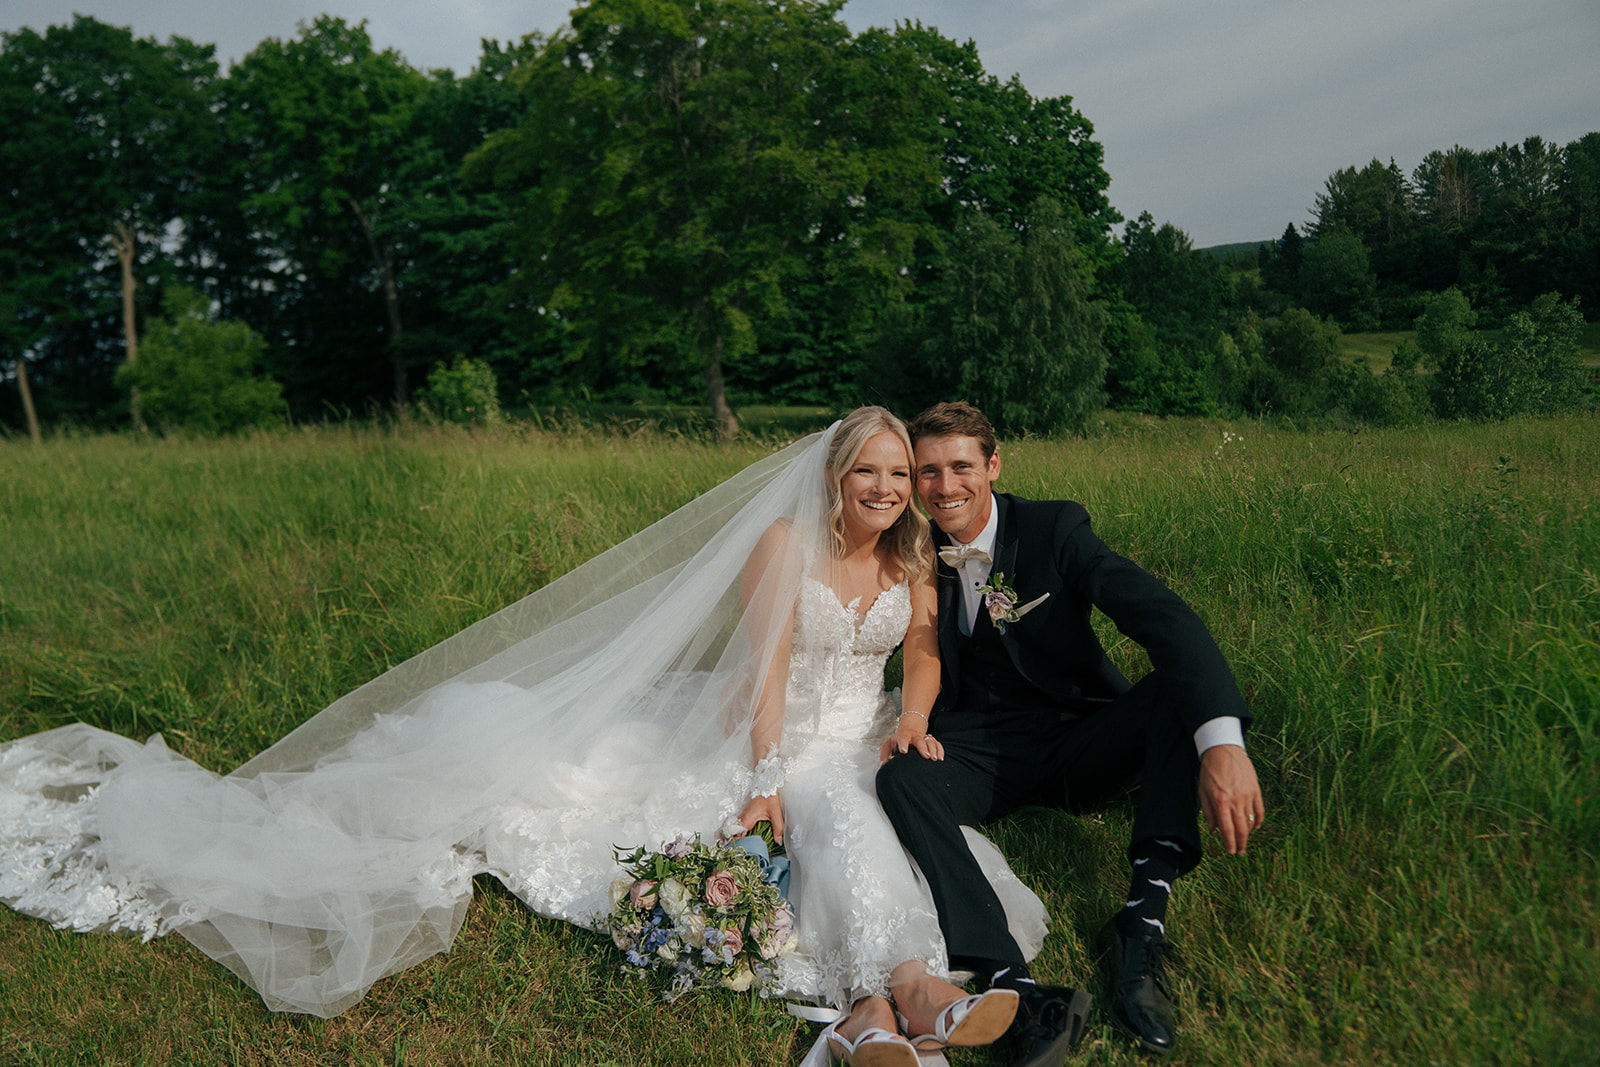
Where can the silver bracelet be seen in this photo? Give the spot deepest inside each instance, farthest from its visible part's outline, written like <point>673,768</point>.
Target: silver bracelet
<point>918,714</point>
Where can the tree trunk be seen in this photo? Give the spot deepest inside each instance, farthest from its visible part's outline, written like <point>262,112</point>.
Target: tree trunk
<point>391,303</point>
<point>123,242</point>
<point>721,414</point>
<point>27,400</point>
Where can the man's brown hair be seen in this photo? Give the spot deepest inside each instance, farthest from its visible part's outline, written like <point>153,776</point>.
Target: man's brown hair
<point>958,419</point>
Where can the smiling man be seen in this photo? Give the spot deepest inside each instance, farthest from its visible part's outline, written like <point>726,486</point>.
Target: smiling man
<point>1031,711</point>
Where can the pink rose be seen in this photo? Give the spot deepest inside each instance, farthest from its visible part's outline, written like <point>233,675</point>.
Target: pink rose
<point>732,941</point>
<point>643,895</point>
<point>721,888</point>
<point>998,604</point>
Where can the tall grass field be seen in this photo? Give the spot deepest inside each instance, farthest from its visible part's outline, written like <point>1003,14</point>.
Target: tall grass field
<point>1414,616</point>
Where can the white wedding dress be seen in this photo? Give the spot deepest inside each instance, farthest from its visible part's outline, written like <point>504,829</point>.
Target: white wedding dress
<point>860,907</point>
<point>609,709</point>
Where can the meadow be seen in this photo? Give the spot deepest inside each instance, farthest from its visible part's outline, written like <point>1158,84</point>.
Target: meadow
<point>1414,616</point>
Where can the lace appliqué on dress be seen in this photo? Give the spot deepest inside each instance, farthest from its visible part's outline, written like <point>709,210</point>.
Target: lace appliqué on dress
<point>50,856</point>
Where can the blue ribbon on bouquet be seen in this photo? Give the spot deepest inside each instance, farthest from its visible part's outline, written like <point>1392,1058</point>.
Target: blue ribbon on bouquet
<point>774,869</point>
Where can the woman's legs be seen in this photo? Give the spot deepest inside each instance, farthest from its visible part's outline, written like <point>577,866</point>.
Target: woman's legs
<point>866,1014</point>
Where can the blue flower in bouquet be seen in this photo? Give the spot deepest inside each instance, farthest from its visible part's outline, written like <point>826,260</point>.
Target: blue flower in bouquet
<point>702,912</point>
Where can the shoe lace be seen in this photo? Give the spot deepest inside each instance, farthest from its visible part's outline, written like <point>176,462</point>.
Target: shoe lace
<point>1142,958</point>
<point>1052,1016</point>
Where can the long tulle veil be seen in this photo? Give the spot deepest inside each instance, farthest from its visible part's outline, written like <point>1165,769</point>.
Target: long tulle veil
<point>611,706</point>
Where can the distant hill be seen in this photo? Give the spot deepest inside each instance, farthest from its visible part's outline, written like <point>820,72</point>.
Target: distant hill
<point>1220,253</point>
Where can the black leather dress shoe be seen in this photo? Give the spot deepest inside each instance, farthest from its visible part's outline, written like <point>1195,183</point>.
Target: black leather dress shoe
<point>1141,1006</point>
<point>1049,1023</point>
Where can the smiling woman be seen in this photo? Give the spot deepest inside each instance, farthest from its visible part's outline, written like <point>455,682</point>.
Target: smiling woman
<point>875,490</point>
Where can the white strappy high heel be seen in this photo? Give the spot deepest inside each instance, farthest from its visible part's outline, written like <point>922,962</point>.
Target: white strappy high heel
<point>873,1047</point>
<point>974,1020</point>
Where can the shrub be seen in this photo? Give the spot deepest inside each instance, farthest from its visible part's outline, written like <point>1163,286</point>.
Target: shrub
<point>462,392</point>
<point>1533,369</point>
<point>1398,397</point>
<point>196,374</point>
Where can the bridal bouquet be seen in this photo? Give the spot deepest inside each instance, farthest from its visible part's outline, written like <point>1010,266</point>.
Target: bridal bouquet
<point>706,912</point>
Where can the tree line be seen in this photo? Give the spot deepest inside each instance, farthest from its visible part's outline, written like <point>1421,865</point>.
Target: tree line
<point>1504,240</point>
<point>709,201</point>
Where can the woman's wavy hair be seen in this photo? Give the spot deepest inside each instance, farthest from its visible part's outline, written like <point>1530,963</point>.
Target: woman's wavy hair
<point>908,540</point>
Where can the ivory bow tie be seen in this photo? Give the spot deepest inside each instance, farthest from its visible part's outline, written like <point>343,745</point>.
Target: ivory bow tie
<point>956,555</point>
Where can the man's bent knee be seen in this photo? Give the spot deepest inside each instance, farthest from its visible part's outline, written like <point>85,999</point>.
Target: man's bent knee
<point>905,775</point>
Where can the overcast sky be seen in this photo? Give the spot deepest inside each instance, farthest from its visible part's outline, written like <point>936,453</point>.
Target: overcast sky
<point>1222,117</point>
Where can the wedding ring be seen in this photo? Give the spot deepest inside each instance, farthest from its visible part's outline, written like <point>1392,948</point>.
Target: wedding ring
<point>1252,818</point>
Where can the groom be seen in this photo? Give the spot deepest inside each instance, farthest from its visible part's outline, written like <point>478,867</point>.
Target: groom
<point>1030,711</point>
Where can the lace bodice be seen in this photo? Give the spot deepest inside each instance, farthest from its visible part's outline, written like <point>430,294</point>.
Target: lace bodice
<point>838,658</point>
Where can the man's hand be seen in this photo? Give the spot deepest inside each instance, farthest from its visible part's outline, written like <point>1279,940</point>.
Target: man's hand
<point>1230,795</point>
<point>768,808</point>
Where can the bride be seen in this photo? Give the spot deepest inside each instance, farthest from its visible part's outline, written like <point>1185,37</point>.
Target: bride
<point>728,660</point>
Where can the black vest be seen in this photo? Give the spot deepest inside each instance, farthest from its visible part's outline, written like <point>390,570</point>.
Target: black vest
<point>990,681</point>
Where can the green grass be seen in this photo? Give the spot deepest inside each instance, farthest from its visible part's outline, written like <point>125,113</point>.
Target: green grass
<point>1412,615</point>
<point>1375,349</point>
<point>757,420</point>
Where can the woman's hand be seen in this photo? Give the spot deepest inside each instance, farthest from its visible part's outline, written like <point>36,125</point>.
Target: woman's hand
<point>912,733</point>
<point>768,808</point>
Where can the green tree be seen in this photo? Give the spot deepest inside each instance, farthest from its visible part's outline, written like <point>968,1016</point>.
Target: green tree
<point>449,234</point>
<point>109,141</point>
<point>1450,188</point>
<point>1539,352</point>
<point>1280,269</point>
<point>1010,327</point>
<point>1337,280</point>
<point>1240,373</point>
<point>1181,293</point>
<point>689,163</point>
<point>1285,365</point>
<point>1181,296</point>
<point>319,123</point>
<point>1374,203</point>
<point>1002,149</point>
<point>1575,259</point>
<point>1303,353</point>
<point>198,374</point>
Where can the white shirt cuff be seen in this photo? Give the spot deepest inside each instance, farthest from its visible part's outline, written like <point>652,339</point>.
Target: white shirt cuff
<point>1223,730</point>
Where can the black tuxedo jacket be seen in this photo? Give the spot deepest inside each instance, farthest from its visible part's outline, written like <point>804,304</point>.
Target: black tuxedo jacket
<point>1046,546</point>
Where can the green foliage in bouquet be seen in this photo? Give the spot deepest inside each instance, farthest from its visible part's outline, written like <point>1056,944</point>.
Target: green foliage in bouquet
<point>701,912</point>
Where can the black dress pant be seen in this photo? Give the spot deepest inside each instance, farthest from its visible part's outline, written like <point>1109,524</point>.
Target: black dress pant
<point>999,759</point>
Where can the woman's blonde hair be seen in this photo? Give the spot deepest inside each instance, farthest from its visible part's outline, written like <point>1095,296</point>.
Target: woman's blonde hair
<point>907,541</point>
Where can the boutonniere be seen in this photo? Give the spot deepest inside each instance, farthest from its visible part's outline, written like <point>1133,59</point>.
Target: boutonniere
<point>1000,599</point>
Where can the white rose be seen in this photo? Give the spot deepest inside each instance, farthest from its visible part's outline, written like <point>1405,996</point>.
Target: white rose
<point>740,980</point>
<point>674,897</point>
<point>619,889</point>
<point>692,928</point>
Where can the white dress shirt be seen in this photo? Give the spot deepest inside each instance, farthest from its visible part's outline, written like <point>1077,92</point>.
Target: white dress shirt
<point>974,574</point>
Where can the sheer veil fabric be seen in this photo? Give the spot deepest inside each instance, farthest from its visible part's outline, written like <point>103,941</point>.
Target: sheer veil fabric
<point>610,708</point>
